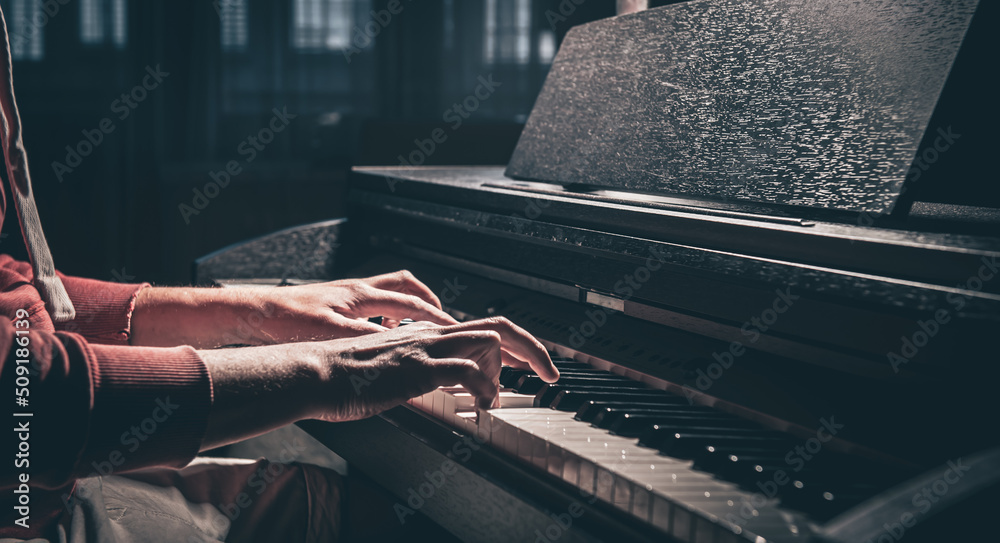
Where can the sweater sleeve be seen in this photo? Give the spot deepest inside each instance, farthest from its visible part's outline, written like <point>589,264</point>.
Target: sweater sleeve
<point>100,409</point>
<point>103,309</point>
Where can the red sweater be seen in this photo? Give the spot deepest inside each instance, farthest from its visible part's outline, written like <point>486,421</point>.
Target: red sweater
<point>98,406</point>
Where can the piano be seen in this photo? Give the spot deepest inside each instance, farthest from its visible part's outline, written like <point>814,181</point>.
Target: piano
<point>725,221</point>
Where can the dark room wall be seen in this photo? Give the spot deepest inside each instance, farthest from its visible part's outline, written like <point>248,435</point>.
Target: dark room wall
<point>358,88</point>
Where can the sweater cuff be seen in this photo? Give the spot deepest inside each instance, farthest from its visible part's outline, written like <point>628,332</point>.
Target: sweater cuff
<point>150,407</point>
<point>103,309</point>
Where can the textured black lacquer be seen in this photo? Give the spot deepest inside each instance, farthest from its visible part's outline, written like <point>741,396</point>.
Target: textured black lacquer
<point>818,103</point>
<point>302,252</point>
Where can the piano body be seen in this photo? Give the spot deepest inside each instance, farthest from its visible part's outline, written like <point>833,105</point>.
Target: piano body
<point>711,220</point>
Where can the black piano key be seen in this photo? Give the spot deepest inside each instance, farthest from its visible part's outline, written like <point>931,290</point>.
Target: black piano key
<point>604,418</point>
<point>590,409</point>
<point>685,444</point>
<point>744,464</point>
<point>550,391</point>
<point>635,425</point>
<point>572,400</point>
<point>511,375</point>
<point>655,436</point>
<point>569,363</point>
<point>822,501</point>
<point>531,384</point>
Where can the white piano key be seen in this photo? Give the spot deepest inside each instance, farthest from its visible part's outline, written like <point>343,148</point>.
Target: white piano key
<point>442,398</point>
<point>467,421</point>
<point>587,479</point>
<point>555,458</point>
<point>659,490</point>
<point>455,400</point>
<point>536,436</point>
<point>661,512</point>
<point>641,503</point>
<point>512,400</point>
<point>621,493</point>
<point>681,524</point>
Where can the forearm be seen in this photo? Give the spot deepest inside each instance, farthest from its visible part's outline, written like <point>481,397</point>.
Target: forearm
<point>257,389</point>
<point>203,318</point>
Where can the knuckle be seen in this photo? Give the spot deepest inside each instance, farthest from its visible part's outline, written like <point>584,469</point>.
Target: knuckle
<point>359,288</point>
<point>500,321</point>
<point>463,368</point>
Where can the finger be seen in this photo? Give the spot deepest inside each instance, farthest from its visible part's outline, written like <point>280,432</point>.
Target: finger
<point>513,361</point>
<point>468,374</point>
<point>357,327</point>
<point>480,346</point>
<point>517,342</point>
<point>397,306</point>
<point>406,283</point>
<point>390,323</point>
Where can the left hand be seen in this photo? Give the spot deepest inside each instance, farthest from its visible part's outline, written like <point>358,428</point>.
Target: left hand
<point>339,309</point>
<point>212,317</point>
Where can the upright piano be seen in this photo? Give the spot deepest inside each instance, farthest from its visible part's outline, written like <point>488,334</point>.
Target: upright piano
<point>760,239</point>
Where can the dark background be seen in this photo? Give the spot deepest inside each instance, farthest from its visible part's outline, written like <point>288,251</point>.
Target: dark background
<point>116,216</point>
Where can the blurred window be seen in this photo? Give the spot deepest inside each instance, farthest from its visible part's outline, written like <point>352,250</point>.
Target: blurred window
<point>322,25</point>
<point>507,32</point>
<point>26,29</point>
<point>235,24</point>
<point>103,21</point>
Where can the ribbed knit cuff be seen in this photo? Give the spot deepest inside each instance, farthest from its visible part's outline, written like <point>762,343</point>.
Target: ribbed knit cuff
<point>103,309</point>
<point>151,407</point>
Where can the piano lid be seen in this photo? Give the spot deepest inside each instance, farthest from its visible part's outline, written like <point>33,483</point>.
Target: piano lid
<point>818,103</point>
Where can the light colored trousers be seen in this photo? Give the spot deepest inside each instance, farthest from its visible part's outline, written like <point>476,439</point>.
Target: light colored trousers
<point>210,500</point>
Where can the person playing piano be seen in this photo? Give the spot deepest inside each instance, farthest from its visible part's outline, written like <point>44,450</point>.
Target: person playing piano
<point>119,386</point>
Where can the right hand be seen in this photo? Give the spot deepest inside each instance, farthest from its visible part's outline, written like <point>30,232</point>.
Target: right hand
<point>369,374</point>
<point>256,389</point>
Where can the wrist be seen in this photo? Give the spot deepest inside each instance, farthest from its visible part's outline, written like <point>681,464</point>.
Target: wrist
<point>242,314</point>
<point>200,317</point>
<point>256,389</point>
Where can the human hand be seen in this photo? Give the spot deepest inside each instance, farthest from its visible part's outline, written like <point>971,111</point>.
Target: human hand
<point>212,317</point>
<point>338,309</point>
<point>370,374</point>
<point>256,389</point>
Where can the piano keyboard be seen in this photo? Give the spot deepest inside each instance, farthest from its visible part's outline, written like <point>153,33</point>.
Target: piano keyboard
<point>695,473</point>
